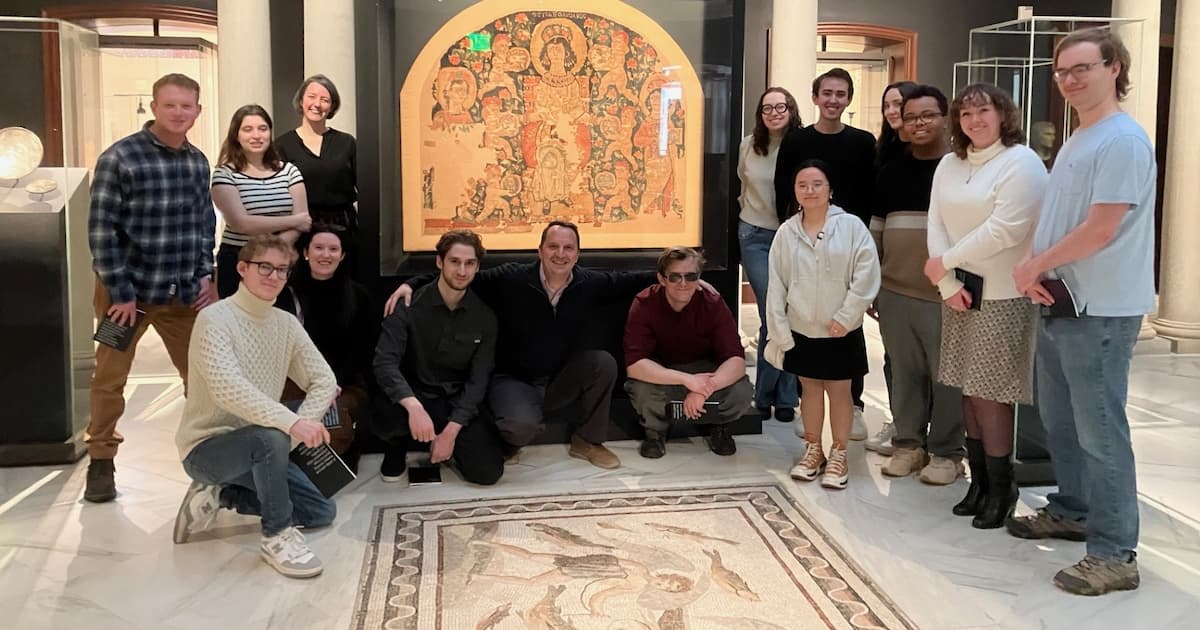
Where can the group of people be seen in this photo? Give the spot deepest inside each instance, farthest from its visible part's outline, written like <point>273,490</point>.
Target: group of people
<point>978,265</point>
<point>835,226</point>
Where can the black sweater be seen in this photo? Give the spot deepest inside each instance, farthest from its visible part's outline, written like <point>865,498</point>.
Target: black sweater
<point>340,319</point>
<point>330,179</point>
<point>536,338</point>
<point>850,154</point>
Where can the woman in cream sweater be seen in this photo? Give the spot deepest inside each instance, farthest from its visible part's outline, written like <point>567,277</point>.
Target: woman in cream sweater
<point>824,273</point>
<point>985,200</point>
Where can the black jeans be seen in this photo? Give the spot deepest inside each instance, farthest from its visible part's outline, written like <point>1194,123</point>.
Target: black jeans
<point>520,404</point>
<point>478,450</point>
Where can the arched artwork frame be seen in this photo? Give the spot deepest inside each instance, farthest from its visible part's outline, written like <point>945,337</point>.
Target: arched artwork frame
<point>517,113</point>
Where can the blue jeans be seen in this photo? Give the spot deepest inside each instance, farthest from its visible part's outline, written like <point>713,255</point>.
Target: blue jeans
<point>1082,380</point>
<point>251,465</point>
<point>772,387</point>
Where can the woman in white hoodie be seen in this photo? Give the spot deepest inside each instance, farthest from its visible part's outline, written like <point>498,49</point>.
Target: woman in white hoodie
<point>824,273</point>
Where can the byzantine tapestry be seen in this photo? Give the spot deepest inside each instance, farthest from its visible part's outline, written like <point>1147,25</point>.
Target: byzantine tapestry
<point>511,118</point>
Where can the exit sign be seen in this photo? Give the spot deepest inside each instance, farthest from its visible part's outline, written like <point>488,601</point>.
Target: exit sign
<point>480,41</point>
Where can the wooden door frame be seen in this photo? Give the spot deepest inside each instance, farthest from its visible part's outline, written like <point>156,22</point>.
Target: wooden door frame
<point>901,35</point>
<point>52,65</point>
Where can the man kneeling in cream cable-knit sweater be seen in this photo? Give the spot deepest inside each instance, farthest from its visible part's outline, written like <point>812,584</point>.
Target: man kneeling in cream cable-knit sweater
<point>235,435</point>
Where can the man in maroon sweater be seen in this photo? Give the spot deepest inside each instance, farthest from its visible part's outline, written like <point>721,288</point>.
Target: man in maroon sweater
<point>682,344</point>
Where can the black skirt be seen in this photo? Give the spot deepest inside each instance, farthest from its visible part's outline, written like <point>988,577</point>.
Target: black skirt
<point>828,358</point>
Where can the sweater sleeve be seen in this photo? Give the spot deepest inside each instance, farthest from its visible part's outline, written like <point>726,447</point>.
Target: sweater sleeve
<point>864,281</point>
<point>211,359</point>
<point>747,142</point>
<point>779,271</point>
<point>937,239</point>
<point>1019,192</point>
<point>309,370</point>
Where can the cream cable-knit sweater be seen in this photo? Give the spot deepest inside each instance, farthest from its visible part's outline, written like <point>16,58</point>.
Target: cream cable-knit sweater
<point>241,352</point>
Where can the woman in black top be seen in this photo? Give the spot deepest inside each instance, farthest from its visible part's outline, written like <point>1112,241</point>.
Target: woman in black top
<point>337,314</point>
<point>892,141</point>
<point>326,157</point>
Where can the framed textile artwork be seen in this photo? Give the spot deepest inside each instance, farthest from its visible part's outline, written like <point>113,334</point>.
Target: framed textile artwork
<point>516,113</point>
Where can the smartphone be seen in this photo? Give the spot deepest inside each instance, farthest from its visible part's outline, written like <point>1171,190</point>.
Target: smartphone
<point>422,475</point>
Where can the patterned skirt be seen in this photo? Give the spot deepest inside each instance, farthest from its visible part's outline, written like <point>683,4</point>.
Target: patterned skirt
<point>989,353</point>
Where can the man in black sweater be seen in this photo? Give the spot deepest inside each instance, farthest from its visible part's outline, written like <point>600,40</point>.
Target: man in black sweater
<point>549,352</point>
<point>850,154</point>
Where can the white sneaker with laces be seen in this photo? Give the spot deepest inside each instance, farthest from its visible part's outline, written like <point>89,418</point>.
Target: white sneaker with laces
<point>881,442</point>
<point>837,470</point>
<point>289,554</point>
<point>810,464</point>
<point>197,511</point>
<point>858,426</point>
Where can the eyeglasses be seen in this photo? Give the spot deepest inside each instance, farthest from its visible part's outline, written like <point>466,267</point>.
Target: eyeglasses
<point>265,269</point>
<point>1077,71</point>
<point>778,108</point>
<point>676,278</point>
<point>813,187</point>
<point>924,118</point>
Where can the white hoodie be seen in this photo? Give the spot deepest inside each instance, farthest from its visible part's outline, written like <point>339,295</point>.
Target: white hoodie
<point>812,284</point>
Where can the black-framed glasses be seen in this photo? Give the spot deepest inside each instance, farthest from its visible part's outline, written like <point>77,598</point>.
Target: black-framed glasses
<point>924,118</point>
<point>778,108</point>
<point>265,269</point>
<point>676,278</point>
<point>1077,71</point>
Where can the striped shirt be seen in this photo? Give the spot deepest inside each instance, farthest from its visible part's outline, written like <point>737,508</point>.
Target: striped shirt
<point>151,224</point>
<point>261,196</point>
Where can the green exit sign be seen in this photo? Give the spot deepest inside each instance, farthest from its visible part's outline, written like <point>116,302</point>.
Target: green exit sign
<point>480,41</point>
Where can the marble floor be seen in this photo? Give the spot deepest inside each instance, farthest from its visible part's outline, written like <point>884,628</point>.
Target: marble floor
<point>67,564</point>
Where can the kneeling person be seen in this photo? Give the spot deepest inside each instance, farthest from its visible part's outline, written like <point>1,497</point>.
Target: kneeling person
<point>682,344</point>
<point>433,363</point>
<point>235,435</point>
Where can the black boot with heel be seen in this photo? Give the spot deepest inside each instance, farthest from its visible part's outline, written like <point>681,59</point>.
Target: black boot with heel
<point>977,493</point>
<point>1001,496</point>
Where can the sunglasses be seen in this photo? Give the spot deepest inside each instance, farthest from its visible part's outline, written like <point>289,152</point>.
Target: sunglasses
<point>676,278</point>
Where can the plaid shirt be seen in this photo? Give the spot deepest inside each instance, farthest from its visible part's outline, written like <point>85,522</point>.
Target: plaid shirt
<point>151,227</point>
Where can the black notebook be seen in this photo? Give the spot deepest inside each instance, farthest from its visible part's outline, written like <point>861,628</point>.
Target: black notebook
<point>973,283</point>
<point>115,335</point>
<point>675,409</point>
<point>1064,301</point>
<point>323,467</point>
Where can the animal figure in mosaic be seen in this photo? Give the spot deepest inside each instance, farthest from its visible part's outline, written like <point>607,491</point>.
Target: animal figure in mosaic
<point>687,533</point>
<point>492,620</point>
<point>729,579</point>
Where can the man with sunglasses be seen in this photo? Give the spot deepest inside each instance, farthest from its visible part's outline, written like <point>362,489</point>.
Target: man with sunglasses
<point>235,436</point>
<point>683,351</point>
<point>1095,235</point>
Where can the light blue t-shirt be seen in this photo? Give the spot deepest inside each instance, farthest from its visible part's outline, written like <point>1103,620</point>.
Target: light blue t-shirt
<point>1111,161</point>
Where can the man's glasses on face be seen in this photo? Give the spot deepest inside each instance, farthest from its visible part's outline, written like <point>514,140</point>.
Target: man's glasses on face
<point>265,269</point>
<point>676,278</point>
<point>778,108</point>
<point>1078,71</point>
<point>923,118</point>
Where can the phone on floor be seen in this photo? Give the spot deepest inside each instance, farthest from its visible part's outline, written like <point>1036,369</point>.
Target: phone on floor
<point>422,475</point>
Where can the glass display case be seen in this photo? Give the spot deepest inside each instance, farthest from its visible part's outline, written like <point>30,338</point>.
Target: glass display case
<point>1018,56</point>
<point>46,325</point>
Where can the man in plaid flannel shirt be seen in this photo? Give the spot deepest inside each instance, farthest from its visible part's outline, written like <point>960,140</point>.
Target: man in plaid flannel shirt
<point>151,229</point>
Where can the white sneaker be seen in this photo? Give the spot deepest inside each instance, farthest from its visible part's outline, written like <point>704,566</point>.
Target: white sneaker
<point>289,554</point>
<point>858,426</point>
<point>810,465</point>
<point>837,470</point>
<point>881,442</point>
<point>197,511</point>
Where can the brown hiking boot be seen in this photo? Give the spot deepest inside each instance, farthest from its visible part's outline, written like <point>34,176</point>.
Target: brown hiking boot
<point>1097,576</point>
<point>596,454</point>
<point>101,487</point>
<point>1043,524</point>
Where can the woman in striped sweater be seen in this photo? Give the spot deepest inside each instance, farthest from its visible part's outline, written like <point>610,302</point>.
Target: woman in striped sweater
<point>255,190</point>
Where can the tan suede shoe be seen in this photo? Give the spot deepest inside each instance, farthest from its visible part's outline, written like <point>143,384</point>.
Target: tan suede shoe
<point>596,454</point>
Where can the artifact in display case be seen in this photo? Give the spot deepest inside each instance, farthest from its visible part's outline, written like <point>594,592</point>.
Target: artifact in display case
<point>44,201</point>
<point>515,114</point>
<point>1018,56</point>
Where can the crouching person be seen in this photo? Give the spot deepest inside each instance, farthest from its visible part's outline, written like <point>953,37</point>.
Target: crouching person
<point>682,345</point>
<point>235,435</point>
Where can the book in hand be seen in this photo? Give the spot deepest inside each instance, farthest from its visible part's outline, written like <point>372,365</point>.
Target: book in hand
<point>1064,301</point>
<point>675,409</point>
<point>973,283</point>
<point>115,335</point>
<point>323,467</point>
<point>331,419</point>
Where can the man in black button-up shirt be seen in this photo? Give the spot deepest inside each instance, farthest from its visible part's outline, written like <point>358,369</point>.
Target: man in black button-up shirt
<point>433,363</point>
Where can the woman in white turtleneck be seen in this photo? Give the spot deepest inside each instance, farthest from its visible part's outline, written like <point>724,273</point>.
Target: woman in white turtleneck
<point>985,201</point>
<point>777,112</point>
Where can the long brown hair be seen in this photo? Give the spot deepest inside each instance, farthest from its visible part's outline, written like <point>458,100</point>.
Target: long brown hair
<point>976,95</point>
<point>762,136</point>
<point>232,154</point>
<point>889,144</point>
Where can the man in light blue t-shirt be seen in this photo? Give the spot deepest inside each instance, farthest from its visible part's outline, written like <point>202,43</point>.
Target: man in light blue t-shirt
<point>1096,234</point>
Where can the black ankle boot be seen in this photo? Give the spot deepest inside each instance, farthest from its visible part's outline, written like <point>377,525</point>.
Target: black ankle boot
<point>977,461</point>
<point>1001,496</point>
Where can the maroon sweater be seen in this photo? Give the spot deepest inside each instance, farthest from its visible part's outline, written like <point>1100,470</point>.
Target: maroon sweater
<point>703,331</point>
